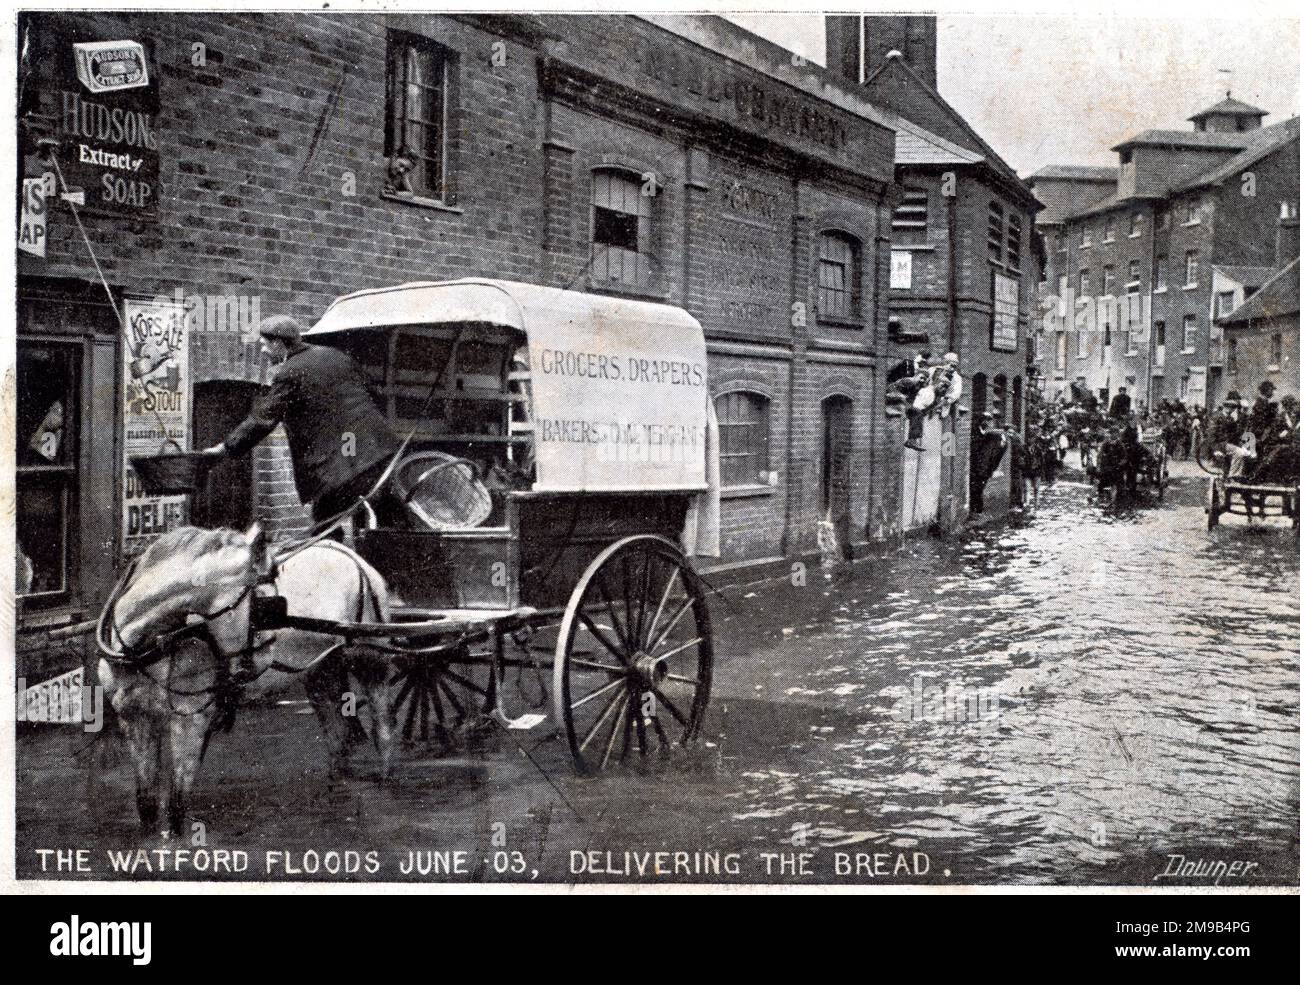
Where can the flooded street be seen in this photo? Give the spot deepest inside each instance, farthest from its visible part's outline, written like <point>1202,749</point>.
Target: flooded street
<point>1073,696</point>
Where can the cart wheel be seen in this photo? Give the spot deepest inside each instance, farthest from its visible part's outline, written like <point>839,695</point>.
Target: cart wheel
<point>1213,506</point>
<point>435,694</point>
<point>640,612</point>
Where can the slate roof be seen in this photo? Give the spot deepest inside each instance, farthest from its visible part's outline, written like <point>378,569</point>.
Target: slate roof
<point>1262,142</point>
<point>1200,139</point>
<point>1230,107</point>
<point>916,145</point>
<point>1278,297</point>
<point>1248,277</point>
<point>976,142</point>
<point>1075,172</point>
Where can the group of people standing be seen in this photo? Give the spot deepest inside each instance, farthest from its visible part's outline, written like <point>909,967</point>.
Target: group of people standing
<point>1183,428</point>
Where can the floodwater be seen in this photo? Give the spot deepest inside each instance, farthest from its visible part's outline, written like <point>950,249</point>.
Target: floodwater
<point>1084,694</point>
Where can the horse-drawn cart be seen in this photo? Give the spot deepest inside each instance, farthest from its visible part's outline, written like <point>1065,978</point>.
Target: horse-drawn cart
<point>556,481</point>
<point>1252,497</point>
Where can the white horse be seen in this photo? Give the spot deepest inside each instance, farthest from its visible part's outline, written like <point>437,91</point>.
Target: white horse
<point>170,694</point>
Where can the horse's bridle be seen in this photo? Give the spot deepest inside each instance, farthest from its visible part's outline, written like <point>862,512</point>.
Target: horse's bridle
<point>139,656</point>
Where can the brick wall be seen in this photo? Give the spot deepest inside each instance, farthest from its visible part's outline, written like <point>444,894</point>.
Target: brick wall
<point>272,166</point>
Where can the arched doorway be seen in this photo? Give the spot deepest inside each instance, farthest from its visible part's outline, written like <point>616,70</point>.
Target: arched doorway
<point>837,465</point>
<point>225,499</point>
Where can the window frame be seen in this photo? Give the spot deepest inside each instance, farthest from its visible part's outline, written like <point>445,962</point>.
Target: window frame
<point>1189,321</point>
<point>1134,284</point>
<point>996,230</point>
<point>1191,269</point>
<point>852,273</point>
<point>69,471</point>
<point>758,447</point>
<point>909,223</point>
<point>402,47</point>
<point>1015,239</point>
<point>646,271</point>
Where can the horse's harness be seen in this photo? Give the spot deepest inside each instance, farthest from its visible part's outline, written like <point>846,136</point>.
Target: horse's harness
<point>269,612</point>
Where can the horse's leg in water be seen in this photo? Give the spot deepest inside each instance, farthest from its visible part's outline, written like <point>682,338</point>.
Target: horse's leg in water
<point>142,727</point>
<point>372,672</point>
<point>325,684</point>
<point>187,733</point>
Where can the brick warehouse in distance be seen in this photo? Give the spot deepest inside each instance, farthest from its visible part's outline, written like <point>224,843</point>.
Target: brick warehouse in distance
<point>242,166</point>
<point>1189,225</point>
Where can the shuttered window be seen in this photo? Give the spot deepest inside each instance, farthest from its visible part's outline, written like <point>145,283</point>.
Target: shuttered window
<point>621,217</point>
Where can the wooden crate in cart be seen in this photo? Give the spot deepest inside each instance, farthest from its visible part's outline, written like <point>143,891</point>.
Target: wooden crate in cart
<point>562,471</point>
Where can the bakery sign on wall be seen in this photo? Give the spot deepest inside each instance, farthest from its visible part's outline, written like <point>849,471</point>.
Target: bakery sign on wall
<point>95,92</point>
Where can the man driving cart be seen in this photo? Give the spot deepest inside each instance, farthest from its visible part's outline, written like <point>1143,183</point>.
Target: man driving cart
<point>339,440</point>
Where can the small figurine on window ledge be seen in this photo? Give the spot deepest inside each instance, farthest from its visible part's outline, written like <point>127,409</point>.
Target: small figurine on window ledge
<point>399,171</point>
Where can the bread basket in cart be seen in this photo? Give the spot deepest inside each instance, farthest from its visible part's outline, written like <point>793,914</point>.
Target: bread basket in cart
<point>443,492</point>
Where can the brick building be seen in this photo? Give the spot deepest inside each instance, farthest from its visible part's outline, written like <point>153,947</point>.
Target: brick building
<point>963,277</point>
<point>1262,336</point>
<point>235,166</point>
<point>1183,231</point>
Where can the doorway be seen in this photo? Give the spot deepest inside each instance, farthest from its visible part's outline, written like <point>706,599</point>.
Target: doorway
<point>225,498</point>
<point>837,465</point>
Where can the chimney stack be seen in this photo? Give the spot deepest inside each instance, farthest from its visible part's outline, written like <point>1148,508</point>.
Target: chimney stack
<point>843,47</point>
<point>858,46</point>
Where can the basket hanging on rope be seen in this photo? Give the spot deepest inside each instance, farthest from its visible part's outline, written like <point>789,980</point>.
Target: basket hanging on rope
<point>174,473</point>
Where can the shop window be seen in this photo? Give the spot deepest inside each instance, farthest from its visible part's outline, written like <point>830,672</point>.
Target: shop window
<point>837,276</point>
<point>743,438</point>
<point>621,219</point>
<point>415,130</point>
<point>49,381</point>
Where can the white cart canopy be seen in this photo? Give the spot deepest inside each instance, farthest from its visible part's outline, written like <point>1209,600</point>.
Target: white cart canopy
<point>619,387</point>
